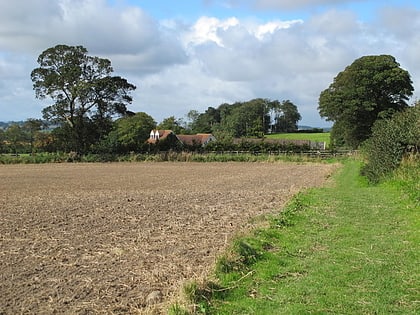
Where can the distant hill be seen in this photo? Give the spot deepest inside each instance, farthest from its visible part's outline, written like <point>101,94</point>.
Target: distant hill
<point>4,124</point>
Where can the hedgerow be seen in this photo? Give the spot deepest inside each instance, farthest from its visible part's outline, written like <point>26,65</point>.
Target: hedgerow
<point>392,139</point>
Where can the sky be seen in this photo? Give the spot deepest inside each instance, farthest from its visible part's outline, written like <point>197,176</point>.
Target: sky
<point>190,55</point>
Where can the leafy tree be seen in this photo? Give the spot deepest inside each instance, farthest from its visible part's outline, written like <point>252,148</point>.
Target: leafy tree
<point>44,142</point>
<point>247,119</point>
<point>206,122</point>
<point>192,117</point>
<point>171,123</point>
<point>32,127</point>
<point>130,133</point>
<point>371,88</point>
<point>287,117</point>
<point>15,136</point>
<point>85,95</point>
<point>252,118</point>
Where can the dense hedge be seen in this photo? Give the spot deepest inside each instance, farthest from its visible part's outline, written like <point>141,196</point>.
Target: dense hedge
<point>392,139</point>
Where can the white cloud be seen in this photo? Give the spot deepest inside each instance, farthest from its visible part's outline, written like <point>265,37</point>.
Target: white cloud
<point>178,66</point>
<point>103,30</point>
<point>273,26</point>
<point>181,88</point>
<point>206,30</point>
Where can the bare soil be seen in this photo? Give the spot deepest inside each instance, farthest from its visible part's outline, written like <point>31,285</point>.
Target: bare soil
<point>99,238</point>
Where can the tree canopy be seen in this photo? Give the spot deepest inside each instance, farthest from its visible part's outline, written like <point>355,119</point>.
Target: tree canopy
<point>85,95</point>
<point>252,118</point>
<point>171,123</point>
<point>286,116</point>
<point>371,88</point>
<point>130,133</point>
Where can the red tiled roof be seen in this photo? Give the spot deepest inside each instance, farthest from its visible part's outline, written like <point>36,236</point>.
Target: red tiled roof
<point>162,135</point>
<point>200,138</point>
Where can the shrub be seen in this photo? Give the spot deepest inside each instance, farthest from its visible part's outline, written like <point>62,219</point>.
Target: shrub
<point>391,139</point>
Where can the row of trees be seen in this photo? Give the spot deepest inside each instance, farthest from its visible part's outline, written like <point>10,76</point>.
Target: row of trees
<point>25,137</point>
<point>246,119</point>
<point>129,133</point>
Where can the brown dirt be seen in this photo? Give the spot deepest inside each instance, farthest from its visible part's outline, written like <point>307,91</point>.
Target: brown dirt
<point>98,238</point>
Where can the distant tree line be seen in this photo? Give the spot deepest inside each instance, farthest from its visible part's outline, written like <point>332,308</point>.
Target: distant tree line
<point>130,132</point>
<point>253,118</point>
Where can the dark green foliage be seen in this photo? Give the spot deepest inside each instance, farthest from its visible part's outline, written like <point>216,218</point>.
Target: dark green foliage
<point>129,134</point>
<point>204,122</point>
<point>286,117</point>
<point>15,137</point>
<point>391,139</point>
<point>21,137</point>
<point>371,88</point>
<point>171,123</point>
<point>252,118</point>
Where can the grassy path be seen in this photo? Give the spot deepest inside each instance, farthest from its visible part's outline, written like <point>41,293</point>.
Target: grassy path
<point>347,249</point>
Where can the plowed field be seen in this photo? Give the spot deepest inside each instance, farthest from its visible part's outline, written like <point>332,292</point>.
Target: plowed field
<point>99,238</point>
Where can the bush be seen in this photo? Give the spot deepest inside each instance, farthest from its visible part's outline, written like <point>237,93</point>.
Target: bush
<point>391,139</point>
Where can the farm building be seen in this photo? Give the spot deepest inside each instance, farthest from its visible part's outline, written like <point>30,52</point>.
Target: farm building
<point>201,139</point>
<point>160,135</point>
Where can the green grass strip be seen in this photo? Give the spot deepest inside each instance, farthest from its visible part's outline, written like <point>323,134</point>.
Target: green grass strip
<point>319,137</point>
<point>345,249</point>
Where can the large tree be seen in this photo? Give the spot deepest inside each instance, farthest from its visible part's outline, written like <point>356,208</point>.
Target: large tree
<point>172,123</point>
<point>245,119</point>
<point>205,122</point>
<point>371,88</point>
<point>86,97</point>
<point>286,116</point>
<point>130,133</point>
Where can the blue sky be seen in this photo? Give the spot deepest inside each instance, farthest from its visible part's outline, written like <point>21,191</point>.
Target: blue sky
<point>191,10</point>
<point>189,55</point>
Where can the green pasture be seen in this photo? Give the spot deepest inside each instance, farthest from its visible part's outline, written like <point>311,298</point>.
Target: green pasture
<point>319,137</point>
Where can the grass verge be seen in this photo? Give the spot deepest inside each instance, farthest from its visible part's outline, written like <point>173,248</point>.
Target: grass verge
<point>345,249</point>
